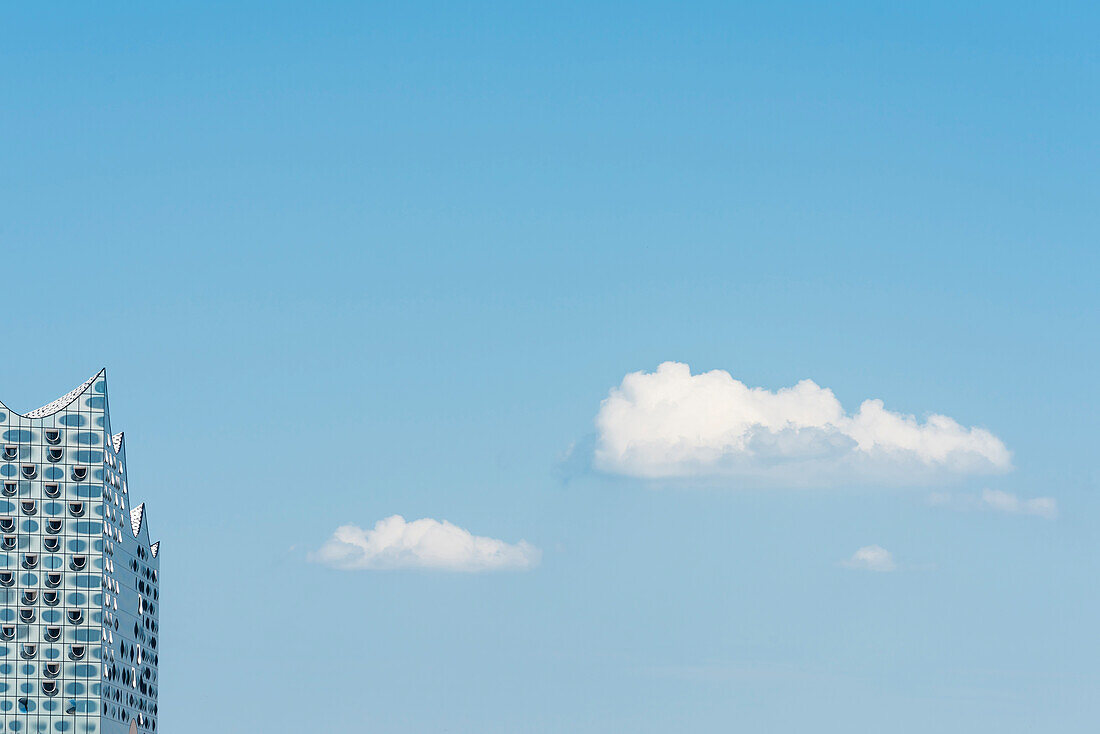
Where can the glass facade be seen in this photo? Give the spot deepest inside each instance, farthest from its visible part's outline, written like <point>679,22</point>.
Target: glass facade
<point>79,577</point>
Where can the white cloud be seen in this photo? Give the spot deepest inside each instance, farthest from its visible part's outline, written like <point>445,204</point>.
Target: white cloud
<point>997,501</point>
<point>671,423</point>
<point>426,543</point>
<point>941,498</point>
<point>1000,501</point>
<point>872,558</point>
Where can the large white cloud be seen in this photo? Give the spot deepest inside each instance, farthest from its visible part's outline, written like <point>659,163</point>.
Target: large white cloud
<point>671,423</point>
<point>426,543</point>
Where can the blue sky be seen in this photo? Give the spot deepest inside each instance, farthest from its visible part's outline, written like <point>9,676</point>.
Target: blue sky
<point>346,262</point>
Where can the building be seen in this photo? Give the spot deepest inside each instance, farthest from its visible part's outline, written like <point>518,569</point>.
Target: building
<point>78,574</point>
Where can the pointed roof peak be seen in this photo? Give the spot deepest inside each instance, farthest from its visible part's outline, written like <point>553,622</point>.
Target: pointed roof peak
<point>65,400</point>
<point>155,548</point>
<point>116,441</point>
<point>137,515</point>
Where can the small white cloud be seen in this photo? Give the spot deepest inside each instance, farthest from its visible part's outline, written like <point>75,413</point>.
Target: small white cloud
<point>995,499</point>
<point>671,423</point>
<point>872,558</point>
<point>394,543</point>
<point>941,498</point>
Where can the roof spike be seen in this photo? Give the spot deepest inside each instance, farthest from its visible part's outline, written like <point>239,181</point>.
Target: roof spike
<point>64,401</point>
<point>137,515</point>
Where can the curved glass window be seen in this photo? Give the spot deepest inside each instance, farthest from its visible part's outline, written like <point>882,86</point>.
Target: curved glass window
<point>30,471</point>
<point>76,652</point>
<point>7,578</point>
<point>7,524</point>
<point>53,527</point>
<point>49,687</point>
<point>29,507</point>
<point>50,598</point>
<point>53,435</point>
<point>80,473</point>
<point>11,453</point>
<point>7,632</point>
<point>11,489</point>
<point>26,616</point>
<point>30,596</point>
<point>52,670</point>
<point>55,454</point>
<point>77,563</point>
<point>30,560</point>
<point>29,650</point>
<point>9,542</point>
<point>53,634</point>
<point>76,509</point>
<point>53,545</point>
<point>53,579</point>
<point>52,489</point>
<point>76,616</point>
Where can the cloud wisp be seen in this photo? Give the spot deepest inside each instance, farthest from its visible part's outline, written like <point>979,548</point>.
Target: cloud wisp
<point>995,500</point>
<point>394,543</point>
<point>673,424</point>
<point>1000,501</point>
<point>872,558</point>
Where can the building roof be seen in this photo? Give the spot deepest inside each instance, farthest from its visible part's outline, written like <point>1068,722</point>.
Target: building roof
<point>136,516</point>
<point>64,401</point>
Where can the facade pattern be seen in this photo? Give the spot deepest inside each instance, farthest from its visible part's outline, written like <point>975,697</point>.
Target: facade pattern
<point>79,576</point>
